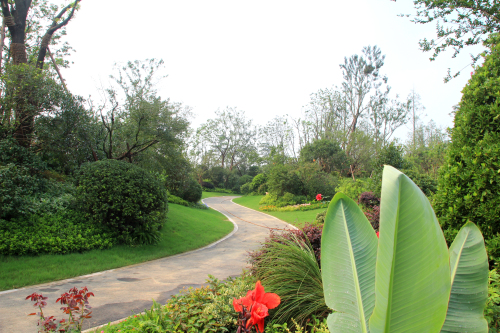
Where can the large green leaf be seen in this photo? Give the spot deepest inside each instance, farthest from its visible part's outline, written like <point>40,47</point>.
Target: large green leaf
<point>469,282</point>
<point>412,280</point>
<point>348,255</point>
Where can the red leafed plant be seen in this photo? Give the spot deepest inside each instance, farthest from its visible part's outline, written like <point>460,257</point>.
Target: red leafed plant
<point>253,308</point>
<point>77,307</point>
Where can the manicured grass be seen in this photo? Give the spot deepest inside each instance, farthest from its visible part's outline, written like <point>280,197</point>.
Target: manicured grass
<point>186,229</point>
<point>297,218</point>
<point>216,194</point>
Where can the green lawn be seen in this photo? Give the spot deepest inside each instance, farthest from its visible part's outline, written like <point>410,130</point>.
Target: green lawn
<point>186,229</point>
<point>215,194</point>
<point>297,218</point>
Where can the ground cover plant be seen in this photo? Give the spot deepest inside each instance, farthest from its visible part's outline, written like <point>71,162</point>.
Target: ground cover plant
<point>188,229</point>
<point>296,218</point>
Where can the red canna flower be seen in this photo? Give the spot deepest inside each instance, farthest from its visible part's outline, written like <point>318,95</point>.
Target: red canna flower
<point>257,302</point>
<point>319,197</point>
<point>378,232</point>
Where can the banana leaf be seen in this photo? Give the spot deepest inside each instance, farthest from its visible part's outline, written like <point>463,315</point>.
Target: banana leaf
<point>412,279</point>
<point>469,280</point>
<point>348,254</point>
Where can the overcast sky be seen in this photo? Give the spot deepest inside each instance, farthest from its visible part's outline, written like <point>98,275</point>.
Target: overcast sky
<point>263,57</point>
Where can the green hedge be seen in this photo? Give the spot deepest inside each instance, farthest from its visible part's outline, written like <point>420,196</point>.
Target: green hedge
<point>61,233</point>
<point>124,198</point>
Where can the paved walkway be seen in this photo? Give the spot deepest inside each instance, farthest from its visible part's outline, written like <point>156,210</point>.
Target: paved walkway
<point>121,292</point>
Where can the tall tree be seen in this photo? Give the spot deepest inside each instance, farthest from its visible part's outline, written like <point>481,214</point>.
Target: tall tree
<point>230,135</point>
<point>15,15</point>
<point>141,119</point>
<point>361,77</point>
<point>459,23</point>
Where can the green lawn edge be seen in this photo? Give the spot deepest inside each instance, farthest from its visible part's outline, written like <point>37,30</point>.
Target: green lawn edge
<point>205,195</point>
<point>297,218</point>
<point>186,229</point>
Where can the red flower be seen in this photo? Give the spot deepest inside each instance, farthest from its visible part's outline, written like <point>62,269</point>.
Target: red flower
<point>378,232</point>
<point>257,302</point>
<point>319,197</point>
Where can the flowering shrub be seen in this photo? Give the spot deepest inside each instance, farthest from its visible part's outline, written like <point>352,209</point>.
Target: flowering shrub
<point>253,308</point>
<point>293,208</point>
<point>77,307</point>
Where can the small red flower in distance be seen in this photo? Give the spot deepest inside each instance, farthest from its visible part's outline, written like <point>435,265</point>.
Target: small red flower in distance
<point>378,234</point>
<point>319,197</point>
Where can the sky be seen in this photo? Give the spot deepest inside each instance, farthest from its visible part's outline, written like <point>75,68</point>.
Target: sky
<point>262,57</point>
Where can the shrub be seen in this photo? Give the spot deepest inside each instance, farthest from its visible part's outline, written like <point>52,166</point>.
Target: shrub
<point>492,310</point>
<point>327,154</point>
<point>190,190</point>
<point>354,188</point>
<point>320,217</point>
<point>257,181</point>
<point>208,185</point>
<point>246,188</point>
<point>469,181</point>
<point>63,232</point>
<point>368,200</point>
<point>123,197</point>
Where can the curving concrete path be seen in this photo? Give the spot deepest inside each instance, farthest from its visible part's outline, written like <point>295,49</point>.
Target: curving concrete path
<point>121,292</point>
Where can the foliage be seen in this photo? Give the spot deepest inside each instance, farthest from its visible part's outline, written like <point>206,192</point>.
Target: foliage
<point>190,190</point>
<point>320,217</point>
<point>141,119</point>
<point>328,154</point>
<point>354,188</point>
<point>426,183</point>
<point>288,267</point>
<point>314,326</point>
<point>366,279</point>
<point>469,182</point>
<point>172,199</point>
<point>123,198</point>
<point>368,200</point>
<point>205,309</point>
<point>17,187</point>
<point>292,208</point>
<point>77,307</point>
<point>60,233</point>
<point>492,310</point>
<point>287,199</point>
<point>228,140</point>
<point>459,23</point>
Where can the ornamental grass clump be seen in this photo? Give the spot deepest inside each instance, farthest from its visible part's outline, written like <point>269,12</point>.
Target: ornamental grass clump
<point>287,265</point>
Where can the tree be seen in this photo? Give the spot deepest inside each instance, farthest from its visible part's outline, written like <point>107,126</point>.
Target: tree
<point>361,76</point>
<point>469,181</point>
<point>277,137</point>
<point>459,23</point>
<point>141,119</point>
<point>15,15</point>
<point>386,116</point>
<point>229,136</point>
<point>327,154</point>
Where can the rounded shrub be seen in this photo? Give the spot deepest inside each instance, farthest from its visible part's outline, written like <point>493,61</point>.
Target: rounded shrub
<point>190,190</point>
<point>469,181</point>
<point>124,198</point>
